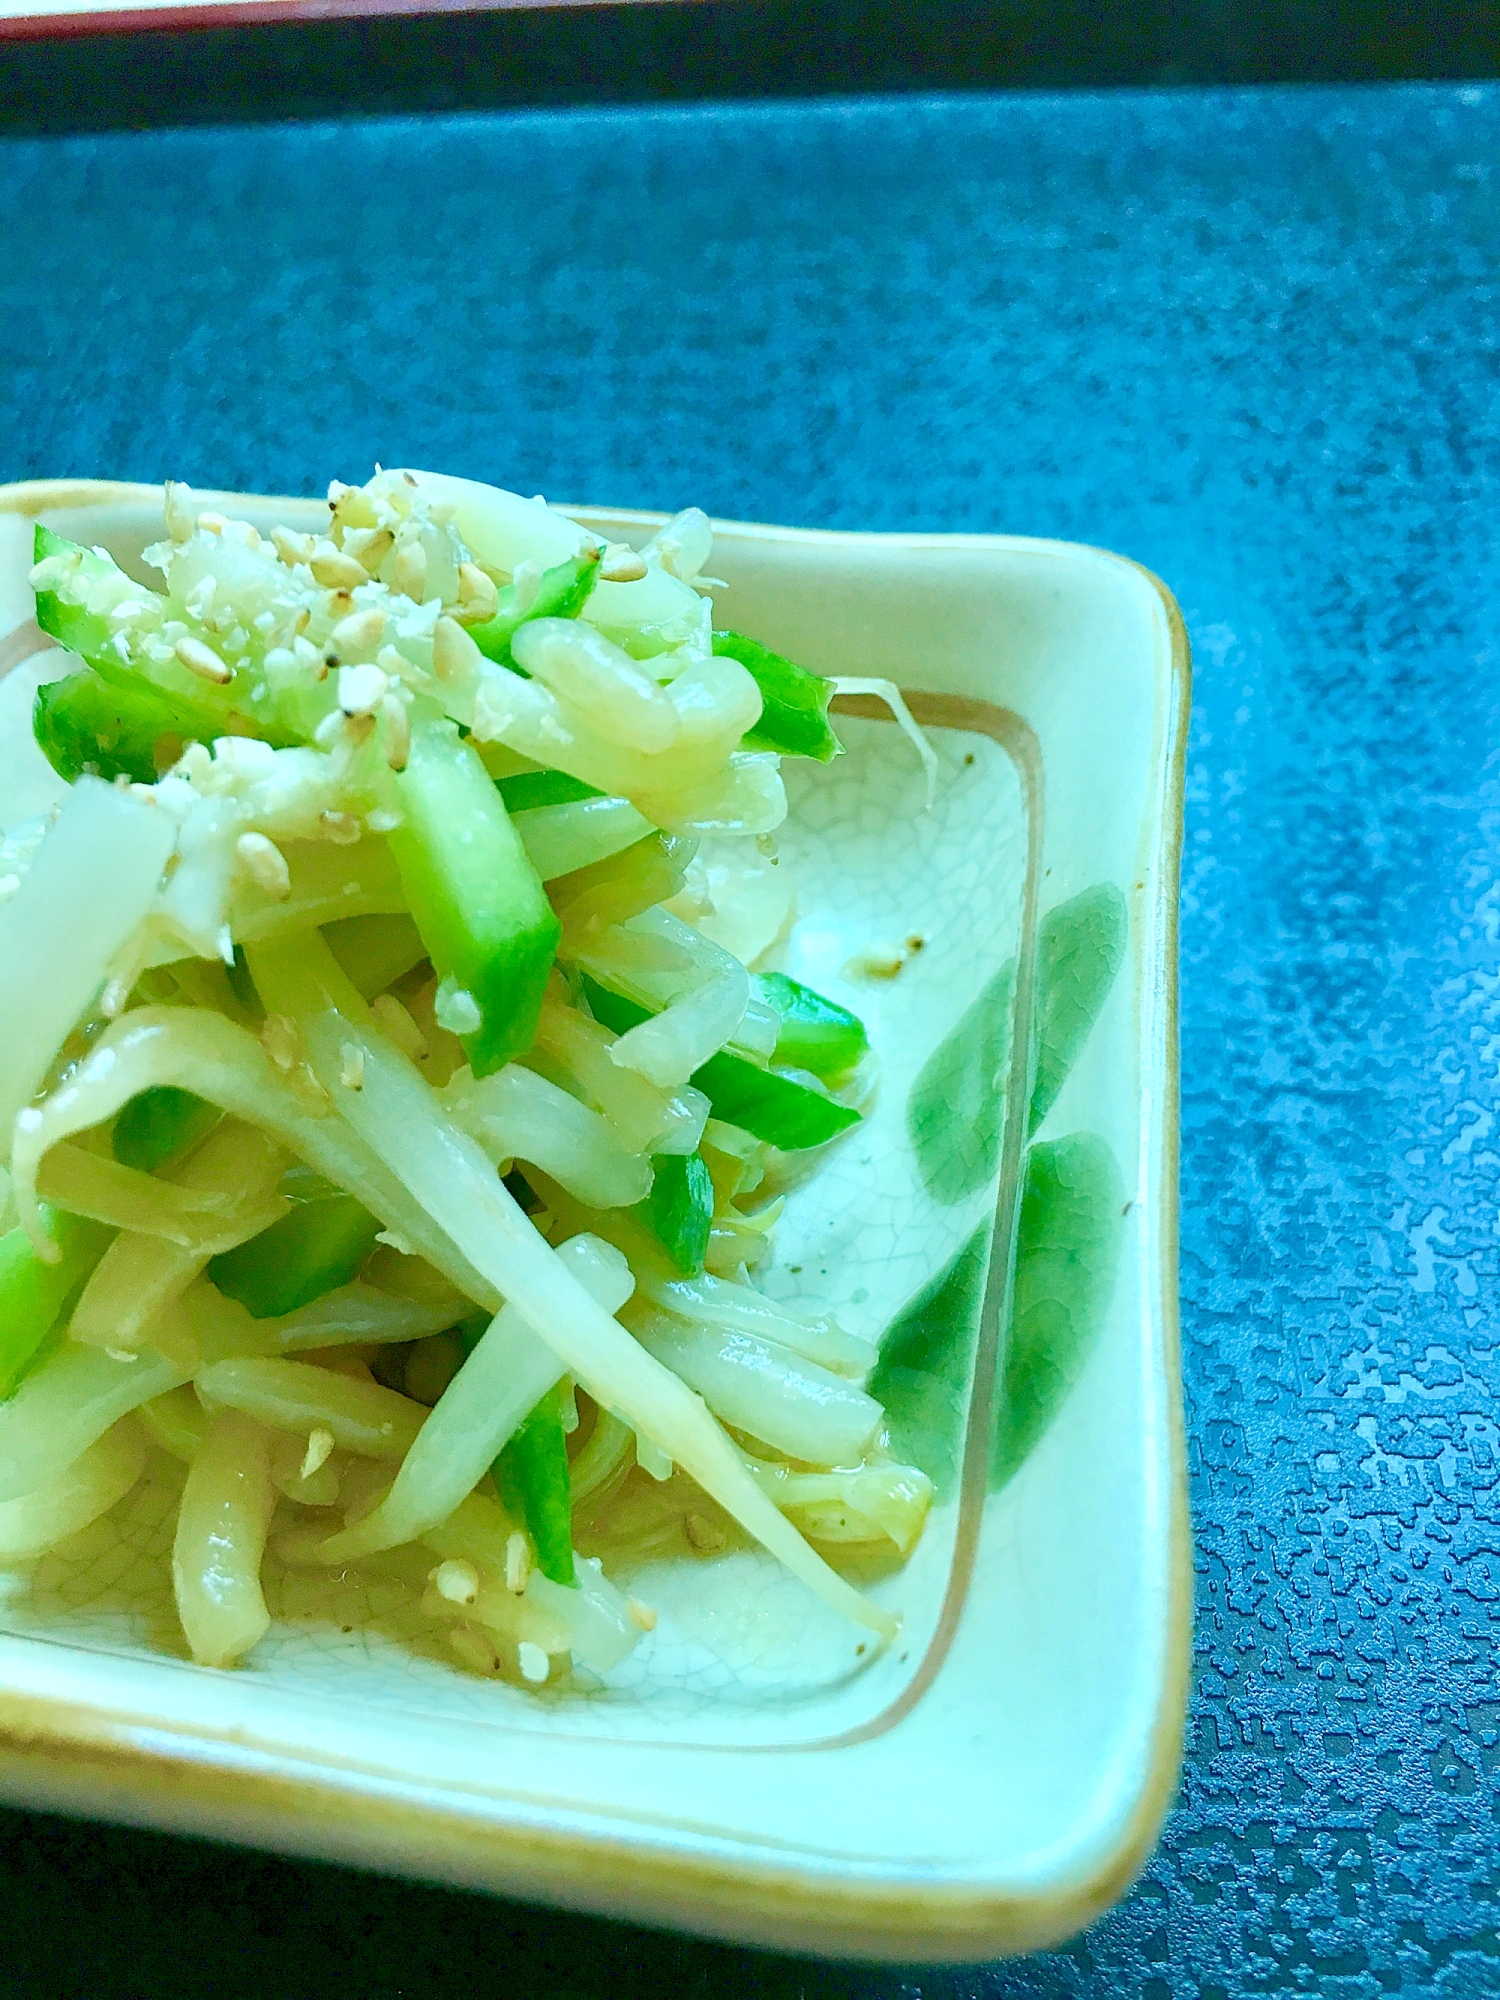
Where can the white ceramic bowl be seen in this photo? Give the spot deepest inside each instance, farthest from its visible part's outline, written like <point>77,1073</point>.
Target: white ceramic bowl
<point>996,1778</point>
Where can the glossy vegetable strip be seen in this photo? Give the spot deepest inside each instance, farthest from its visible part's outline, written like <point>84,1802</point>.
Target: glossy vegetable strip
<point>159,1124</point>
<point>89,634</point>
<point>395,1113</point>
<point>770,1107</point>
<point>794,711</point>
<point>815,1034</point>
<point>476,898</point>
<point>33,1293</point>
<point>532,1476</point>
<point>529,790</point>
<point>83,723</point>
<point>320,1244</point>
<point>562,593</point>
<point>680,1209</point>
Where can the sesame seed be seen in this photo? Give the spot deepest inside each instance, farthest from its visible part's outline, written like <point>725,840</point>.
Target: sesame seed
<point>265,864</point>
<point>622,566</point>
<point>358,729</point>
<point>455,657</point>
<point>457,1581</point>
<point>477,592</point>
<point>292,548</point>
<point>533,1662</point>
<point>211,524</point>
<point>517,1563</point>
<point>368,546</point>
<point>319,1445</point>
<point>361,632</point>
<point>342,829</point>
<point>203,661</point>
<point>336,571</point>
<point>473,1649</point>
<point>397,732</point>
<point>177,507</point>
<point>640,1614</point>
<point>352,1066</point>
<point>282,1041</point>
<point>112,999</point>
<point>361,688</point>
<point>409,571</point>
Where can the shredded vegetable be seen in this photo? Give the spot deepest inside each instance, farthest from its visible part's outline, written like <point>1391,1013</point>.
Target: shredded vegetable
<point>393,1071</point>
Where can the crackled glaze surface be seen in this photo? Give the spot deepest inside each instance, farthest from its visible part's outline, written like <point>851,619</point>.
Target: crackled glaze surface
<point>742,1652</point>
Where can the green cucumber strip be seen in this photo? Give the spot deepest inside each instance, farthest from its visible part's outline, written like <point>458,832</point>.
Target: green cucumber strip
<point>89,635</point>
<point>816,1034</point>
<point>769,1107</point>
<point>158,1124</point>
<point>535,1485</point>
<point>680,1209</point>
<point>529,789</point>
<point>71,625</point>
<point>33,1294</point>
<point>85,723</point>
<point>374,951</point>
<point>794,711</point>
<point>562,593</point>
<point>477,901</point>
<point>310,1250</point>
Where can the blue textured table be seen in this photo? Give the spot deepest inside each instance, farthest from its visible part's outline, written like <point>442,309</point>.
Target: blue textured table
<point>1252,340</point>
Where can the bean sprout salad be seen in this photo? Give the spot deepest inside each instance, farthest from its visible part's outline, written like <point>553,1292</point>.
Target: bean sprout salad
<point>396,1108</point>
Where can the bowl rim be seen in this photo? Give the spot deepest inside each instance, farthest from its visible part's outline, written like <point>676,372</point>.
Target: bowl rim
<point>77,1757</point>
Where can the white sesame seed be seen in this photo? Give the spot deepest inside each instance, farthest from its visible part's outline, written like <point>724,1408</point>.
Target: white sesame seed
<point>361,688</point>
<point>282,1041</point>
<point>517,1563</point>
<point>533,1662</point>
<point>382,821</point>
<point>361,632</point>
<point>112,999</point>
<point>292,548</point>
<point>397,732</point>
<point>398,1026</point>
<point>477,592</point>
<point>336,571</point>
<point>211,524</point>
<point>352,1066</point>
<point>473,1649</point>
<point>178,509</point>
<point>368,546</point>
<point>203,661</point>
<point>622,566</point>
<point>640,1614</point>
<point>358,729</point>
<point>342,829</point>
<point>457,1581</point>
<point>265,864</point>
<point>455,657</point>
<point>319,1445</point>
<point>409,571</point>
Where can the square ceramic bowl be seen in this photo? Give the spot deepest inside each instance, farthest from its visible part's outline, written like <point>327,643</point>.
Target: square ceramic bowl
<point>1005,1222</point>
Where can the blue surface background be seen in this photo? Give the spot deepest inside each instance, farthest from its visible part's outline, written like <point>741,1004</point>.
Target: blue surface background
<point>1252,340</point>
